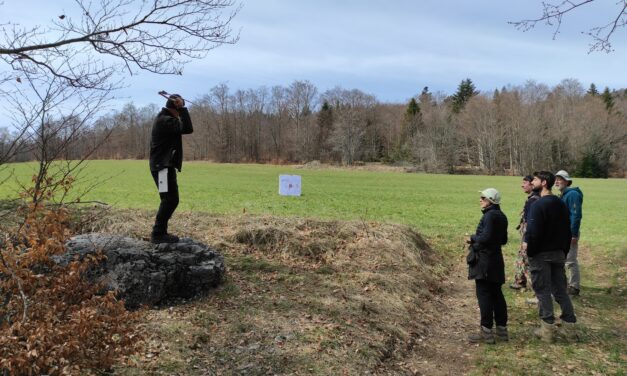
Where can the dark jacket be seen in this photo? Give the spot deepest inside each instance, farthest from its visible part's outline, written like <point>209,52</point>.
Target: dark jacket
<point>491,234</point>
<point>548,228</point>
<point>573,198</point>
<point>166,142</point>
<point>533,197</point>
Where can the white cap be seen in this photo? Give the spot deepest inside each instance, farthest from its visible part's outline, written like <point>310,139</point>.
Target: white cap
<point>564,175</point>
<point>491,195</point>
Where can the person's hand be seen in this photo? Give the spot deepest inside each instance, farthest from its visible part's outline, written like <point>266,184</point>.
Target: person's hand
<point>574,241</point>
<point>524,246</point>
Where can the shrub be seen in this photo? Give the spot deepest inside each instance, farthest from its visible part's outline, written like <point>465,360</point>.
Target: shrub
<point>52,319</point>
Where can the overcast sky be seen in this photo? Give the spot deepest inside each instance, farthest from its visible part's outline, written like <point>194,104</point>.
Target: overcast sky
<point>389,48</point>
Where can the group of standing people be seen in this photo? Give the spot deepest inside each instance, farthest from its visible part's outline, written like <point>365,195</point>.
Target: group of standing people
<point>549,229</point>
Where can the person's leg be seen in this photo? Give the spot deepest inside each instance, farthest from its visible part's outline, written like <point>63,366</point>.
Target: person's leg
<point>486,304</point>
<point>520,278</point>
<point>558,287</point>
<point>485,334</point>
<point>500,312</point>
<point>541,282</point>
<point>572,265</point>
<point>169,202</point>
<point>500,306</point>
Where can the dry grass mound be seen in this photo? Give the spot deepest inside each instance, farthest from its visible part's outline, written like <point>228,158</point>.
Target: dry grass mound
<point>302,296</point>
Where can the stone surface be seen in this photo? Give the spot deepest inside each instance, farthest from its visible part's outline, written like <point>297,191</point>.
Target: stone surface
<point>145,273</point>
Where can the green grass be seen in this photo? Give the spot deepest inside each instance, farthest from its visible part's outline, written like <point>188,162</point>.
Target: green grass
<point>442,207</point>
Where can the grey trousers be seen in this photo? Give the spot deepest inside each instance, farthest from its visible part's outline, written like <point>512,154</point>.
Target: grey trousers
<point>548,279</point>
<point>572,266</point>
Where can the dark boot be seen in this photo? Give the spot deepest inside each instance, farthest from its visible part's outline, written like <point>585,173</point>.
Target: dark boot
<point>501,333</point>
<point>163,238</point>
<point>484,335</point>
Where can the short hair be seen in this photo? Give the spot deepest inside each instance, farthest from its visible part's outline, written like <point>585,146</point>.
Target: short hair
<point>528,178</point>
<point>546,176</point>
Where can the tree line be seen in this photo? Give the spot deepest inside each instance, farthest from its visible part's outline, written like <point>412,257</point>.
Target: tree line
<point>513,130</point>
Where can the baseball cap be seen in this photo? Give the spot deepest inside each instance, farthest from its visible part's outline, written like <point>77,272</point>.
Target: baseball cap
<point>491,195</point>
<point>564,175</point>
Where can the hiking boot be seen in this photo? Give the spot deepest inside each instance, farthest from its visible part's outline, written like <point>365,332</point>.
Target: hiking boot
<point>517,286</point>
<point>572,291</point>
<point>484,335</point>
<point>569,331</point>
<point>163,238</point>
<point>545,332</point>
<point>501,333</point>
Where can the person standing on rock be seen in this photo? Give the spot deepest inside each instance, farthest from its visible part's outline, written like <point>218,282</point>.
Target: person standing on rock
<point>166,156</point>
<point>486,267</point>
<point>548,239</point>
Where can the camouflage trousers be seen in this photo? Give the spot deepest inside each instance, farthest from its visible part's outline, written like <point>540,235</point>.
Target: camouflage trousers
<point>522,262</point>
<point>522,267</point>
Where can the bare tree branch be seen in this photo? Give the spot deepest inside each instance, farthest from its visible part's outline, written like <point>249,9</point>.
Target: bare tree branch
<point>158,36</point>
<point>553,13</point>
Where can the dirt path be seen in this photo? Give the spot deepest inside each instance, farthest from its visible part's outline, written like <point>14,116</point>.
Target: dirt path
<point>445,350</point>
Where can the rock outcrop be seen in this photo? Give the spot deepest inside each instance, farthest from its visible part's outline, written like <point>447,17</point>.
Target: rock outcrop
<point>145,273</point>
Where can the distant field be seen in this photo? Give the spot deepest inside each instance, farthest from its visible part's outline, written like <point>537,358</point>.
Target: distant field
<point>442,207</point>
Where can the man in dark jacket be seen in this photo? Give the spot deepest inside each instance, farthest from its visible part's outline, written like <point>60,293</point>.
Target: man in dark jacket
<point>573,198</point>
<point>548,240</point>
<point>166,156</point>
<point>488,270</point>
<point>522,263</point>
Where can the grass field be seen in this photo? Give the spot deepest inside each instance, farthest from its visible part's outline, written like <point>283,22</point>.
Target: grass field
<point>441,207</point>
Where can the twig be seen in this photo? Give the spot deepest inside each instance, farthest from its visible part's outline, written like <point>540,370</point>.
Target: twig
<point>19,286</point>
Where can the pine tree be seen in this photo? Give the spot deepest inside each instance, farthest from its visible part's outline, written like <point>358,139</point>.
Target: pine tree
<point>425,97</point>
<point>592,91</point>
<point>465,91</point>
<point>608,99</point>
<point>413,108</point>
<point>325,128</point>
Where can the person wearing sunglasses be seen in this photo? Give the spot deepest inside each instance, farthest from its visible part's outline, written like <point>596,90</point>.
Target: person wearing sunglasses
<point>486,267</point>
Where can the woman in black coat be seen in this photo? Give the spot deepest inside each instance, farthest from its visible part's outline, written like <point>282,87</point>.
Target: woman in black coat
<point>486,267</point>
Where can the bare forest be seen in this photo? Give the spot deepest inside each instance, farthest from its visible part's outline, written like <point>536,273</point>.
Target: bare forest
<point>513,130</point>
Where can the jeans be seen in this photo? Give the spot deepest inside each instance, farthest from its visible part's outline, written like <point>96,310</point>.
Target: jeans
<point>573,267</point>
<point>548,280</point>
<point>169,202</point>
<point>491,303</point>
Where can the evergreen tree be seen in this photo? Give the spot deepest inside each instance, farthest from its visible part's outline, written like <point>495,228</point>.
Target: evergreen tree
<point>592,91</point>
<point>413,108</point>
<point>465,91</point>
<point>325,128</point>
<point>608,99</point>
<point>425,97</point>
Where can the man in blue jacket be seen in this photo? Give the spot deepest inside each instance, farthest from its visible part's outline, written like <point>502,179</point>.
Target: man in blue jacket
<point>573,198</point>
<point>548,241</point>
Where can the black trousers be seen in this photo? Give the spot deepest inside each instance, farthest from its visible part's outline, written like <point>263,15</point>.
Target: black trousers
<point>169,202</point>
<point>491,303</point>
